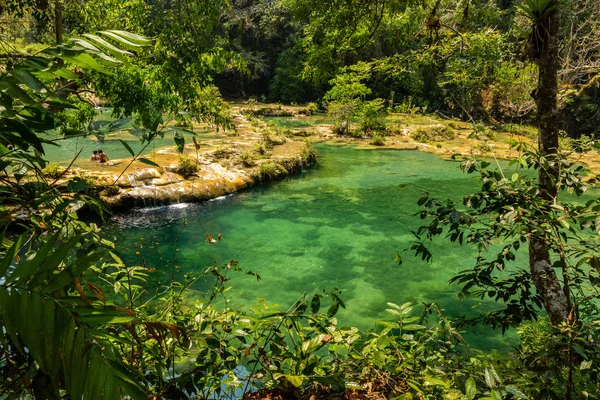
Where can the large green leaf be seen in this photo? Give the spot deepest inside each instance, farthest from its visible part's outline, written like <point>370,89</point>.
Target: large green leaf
<point>10,255</point>
<point>179,141</point>
<point>9,87</point>
<point>122,41</point>
<point>50,262</point>
<point>114,51</point>
<point>127,147</point>
<point>27,78</point>
<point>84,60</point>
<point>141,40</point>
<point>63,350</point>
<point>24,131</point>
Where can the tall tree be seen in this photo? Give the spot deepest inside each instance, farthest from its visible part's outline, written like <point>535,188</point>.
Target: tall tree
<point>545,17</point>
<point>58,16</point>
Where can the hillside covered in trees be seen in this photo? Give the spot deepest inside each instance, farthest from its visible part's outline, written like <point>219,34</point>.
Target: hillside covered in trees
<point>471,59</point>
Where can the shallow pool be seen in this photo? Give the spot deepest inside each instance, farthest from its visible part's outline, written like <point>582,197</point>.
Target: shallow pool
<point>111,144</point>
<point>338,224</point>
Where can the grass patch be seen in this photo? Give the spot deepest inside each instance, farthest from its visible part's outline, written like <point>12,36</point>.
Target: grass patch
<point>222,152</point>
<point>435,133</point>
<point>523,130</point>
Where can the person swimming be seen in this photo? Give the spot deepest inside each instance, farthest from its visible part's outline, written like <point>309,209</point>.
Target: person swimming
<point>95,157</point>
<point>102,156</point>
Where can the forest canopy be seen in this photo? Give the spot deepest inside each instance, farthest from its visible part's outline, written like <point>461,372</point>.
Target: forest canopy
<point>471,59</point>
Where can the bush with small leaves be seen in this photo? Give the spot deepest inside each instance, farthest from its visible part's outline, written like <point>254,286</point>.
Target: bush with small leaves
<point>53,171</point>
<point>377,139</point>
<point>187,167</point>
<point>247,159</point>
<point>434,133</point>
<point>271,170</point>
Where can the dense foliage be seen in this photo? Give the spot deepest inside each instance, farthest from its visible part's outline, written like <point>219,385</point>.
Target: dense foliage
<point>78,322</point>
<point>471,59</point>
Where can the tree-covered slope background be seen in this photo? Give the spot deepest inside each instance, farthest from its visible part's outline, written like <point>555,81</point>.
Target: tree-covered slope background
<point>471,59</point>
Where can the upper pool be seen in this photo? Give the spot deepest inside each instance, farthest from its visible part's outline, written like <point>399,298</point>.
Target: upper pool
<point>111,144</point>
<point>338,224</point>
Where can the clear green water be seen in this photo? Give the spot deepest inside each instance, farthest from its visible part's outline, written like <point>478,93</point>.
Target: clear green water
<point>339,224</point>
<point>111,145</point>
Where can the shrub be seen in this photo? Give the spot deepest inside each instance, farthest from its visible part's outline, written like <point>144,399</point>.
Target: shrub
<point>261,149</point>
<point>212,109</point>
<point>271,170</point>
<point>481,132</point>
<point>377,139</point>
<point>309,154</point>
<point>186,167</point>
<point>222,152</point>
<point>287,132</point>
<point>311,108</point>
<point>484,147</point>
<point>433,134</point>
<point>339,114</point>
<point>247,159</point>
<point>53,171</point>
<point>394,129</point>
<point>340,127</point>
<point>266,140</point>
<point>255,122</point>
<point>371,116</point>
<point>407,106</point>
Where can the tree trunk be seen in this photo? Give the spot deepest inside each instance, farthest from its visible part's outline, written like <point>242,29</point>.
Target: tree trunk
<point>58,11</point>
<point>544,277</point>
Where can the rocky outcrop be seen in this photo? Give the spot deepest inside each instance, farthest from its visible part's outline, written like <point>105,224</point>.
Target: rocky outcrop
<point>153,186</point>
<point>141,185</point>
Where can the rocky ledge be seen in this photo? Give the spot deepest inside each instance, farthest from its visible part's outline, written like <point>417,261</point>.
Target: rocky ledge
<point>218,168</point>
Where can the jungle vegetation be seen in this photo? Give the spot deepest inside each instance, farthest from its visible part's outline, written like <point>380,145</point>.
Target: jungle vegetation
<point>77,321</point>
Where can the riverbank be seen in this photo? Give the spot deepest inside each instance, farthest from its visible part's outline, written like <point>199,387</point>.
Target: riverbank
<point>272,142</point>
<point>204,170</point>
<point>451,139</point>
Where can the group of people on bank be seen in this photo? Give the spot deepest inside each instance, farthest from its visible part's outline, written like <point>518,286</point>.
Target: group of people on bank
<point>99,156</point>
